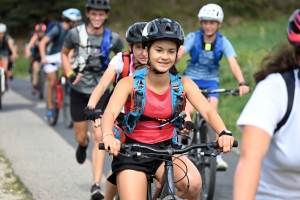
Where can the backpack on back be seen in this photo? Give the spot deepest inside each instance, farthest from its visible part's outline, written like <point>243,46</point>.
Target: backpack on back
<point>289,78</point>
<point>126,67</point>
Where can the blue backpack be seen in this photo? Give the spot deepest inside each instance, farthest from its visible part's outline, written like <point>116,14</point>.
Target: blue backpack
<point>52,25</point>
<point>105,48</point>
<point>138,100</point>
<point>198,47</point>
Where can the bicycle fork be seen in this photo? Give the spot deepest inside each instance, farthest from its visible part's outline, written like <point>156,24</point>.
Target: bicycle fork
<point>59,95</point>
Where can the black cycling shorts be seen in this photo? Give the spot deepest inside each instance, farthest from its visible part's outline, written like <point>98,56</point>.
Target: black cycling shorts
<point>36,57</point>
<point>80,100</point>
<point>147,165</point>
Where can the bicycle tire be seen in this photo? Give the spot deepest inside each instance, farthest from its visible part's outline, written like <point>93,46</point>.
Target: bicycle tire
<point>209,168</point>
<point>41,83</point>
<point>67,105</point>
<point>53,120</point>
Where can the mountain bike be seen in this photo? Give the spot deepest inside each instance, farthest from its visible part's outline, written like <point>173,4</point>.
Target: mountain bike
<point>61,100</point>
<point>207,166</point>
<point>167,191</point>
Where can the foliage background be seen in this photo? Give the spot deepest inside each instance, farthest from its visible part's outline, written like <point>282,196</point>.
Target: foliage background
<point>254,27</point>
<point>22,15</point>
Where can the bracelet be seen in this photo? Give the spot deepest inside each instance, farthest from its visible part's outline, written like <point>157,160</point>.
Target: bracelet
<point>243,84</point>
<point>107,135</point>
<point>70,74</point>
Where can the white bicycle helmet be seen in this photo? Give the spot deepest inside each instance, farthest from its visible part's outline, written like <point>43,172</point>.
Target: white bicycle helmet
<point>72,14</point>
<point>2,28</point>
<point>211,12</point>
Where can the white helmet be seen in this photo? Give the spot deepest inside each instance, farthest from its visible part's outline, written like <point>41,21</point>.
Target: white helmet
<point>211,12</point>
<point>2,28</point>
<point>72,14</point>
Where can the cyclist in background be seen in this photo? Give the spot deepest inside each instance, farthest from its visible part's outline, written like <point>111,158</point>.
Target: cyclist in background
<point>32,52</point>
<point>6,48</point>
<point>92,44</point>
<point>52,59</point>
<point>206,47</point>
<point>162,39</point>
<point>269,166</point>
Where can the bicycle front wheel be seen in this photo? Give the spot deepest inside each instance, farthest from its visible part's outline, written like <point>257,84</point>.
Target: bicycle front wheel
<point>208,165</point>
<point>41,83</point>
<point>67,104</point>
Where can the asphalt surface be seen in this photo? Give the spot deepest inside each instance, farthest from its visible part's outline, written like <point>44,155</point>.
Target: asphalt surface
<point>44,156</point>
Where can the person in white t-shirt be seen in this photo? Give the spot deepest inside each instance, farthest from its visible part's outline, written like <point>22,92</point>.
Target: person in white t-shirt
<point>269,164</point>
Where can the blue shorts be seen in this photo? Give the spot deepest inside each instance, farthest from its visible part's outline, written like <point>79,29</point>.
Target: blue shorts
<point>209,85</point>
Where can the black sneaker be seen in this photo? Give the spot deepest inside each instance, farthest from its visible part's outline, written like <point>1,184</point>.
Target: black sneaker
<point>81,152</point>
<point>96,192</point>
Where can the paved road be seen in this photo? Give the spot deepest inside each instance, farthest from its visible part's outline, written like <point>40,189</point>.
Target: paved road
<point>44,156</point>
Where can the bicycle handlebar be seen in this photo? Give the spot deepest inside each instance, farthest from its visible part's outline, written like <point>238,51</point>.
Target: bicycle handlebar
<point>170,151</point>
<point>234,91</point>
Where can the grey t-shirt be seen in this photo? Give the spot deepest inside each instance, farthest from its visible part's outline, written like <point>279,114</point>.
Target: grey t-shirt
<point>4,49</point>
<point>57,35</point>
<point>92,72</point>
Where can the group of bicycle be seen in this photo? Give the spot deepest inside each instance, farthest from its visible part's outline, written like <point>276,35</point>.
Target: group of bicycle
<point>140,120</point>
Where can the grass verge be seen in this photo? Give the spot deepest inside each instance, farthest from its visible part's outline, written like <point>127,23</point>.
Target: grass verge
<point>11,186</point>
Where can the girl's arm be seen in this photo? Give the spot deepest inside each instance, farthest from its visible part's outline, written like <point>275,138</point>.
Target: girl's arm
<point>28,47</point>
<point>106,79</point>
<point>255,144</point>
<point>210,115</point>
<point>237,72</point>
<point>12,49</point>
<point>42,48</point>
<point>118,99</point>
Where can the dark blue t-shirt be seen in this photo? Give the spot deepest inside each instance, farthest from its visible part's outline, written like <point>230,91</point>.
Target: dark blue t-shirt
<point>57,35</point>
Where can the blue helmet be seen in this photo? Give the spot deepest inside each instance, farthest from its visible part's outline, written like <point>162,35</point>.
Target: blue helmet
<point>72,14</point>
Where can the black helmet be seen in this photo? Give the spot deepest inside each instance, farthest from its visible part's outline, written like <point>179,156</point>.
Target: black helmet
<point>163,28</point>
<point>293,29</point>
<point>98,4</point>
<point>134,32</point>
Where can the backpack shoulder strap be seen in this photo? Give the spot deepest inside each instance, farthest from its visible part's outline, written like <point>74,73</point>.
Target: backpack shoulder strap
<point>83,37</point>
<point>289,78</point>
<point>126,57</point>
<point>57,24</point>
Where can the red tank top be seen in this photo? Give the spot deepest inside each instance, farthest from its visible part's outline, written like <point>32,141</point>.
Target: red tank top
<point>157,106</point>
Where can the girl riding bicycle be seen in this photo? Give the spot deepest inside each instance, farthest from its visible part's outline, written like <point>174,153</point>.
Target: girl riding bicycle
<point>162,39</point>
<point>137,59</point>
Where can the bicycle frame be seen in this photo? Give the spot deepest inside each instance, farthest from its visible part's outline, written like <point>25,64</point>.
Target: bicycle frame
<point>169,192</point>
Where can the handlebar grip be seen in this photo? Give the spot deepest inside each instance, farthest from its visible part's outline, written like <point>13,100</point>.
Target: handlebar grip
<point>216,145</point>
<point>101,146</point>
<point>235,143</point>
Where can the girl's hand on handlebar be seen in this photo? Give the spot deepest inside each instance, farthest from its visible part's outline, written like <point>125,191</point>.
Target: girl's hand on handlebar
<point>225,143</point>
<point>112,145</point>
<point>244,89</point>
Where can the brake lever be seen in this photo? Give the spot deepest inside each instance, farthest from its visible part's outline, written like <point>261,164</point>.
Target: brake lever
<point>209,151</point>
<point>182,134</point>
